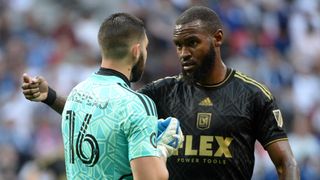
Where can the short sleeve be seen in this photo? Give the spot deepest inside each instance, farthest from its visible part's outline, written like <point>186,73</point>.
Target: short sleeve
<point>140,130</point>
<point>270,125</point>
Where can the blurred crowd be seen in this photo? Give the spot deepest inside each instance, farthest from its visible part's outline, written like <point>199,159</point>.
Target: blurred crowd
<point>277,42</point>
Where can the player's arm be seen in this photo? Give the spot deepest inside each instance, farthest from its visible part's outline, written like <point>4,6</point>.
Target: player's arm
<point>271,134</point>
<point>144,156</point>
<point>37,89</point>
<point>169,139</point>
<point>153,168</point>
<point>283,159</point>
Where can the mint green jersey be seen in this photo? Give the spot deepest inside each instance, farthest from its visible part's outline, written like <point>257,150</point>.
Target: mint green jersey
<point>105,124</point>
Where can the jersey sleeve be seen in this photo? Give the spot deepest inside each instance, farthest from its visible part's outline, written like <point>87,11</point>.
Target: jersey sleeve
<point>270,126</point>
<point>140,128</point>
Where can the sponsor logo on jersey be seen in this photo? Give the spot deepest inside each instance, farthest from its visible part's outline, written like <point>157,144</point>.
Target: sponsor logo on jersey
<point>203,120</point>
<point>208,153</point>
<point>278,116</point>
<point>205,102</point>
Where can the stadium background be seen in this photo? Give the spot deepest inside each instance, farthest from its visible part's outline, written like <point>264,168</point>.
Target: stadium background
<point>275,41</point>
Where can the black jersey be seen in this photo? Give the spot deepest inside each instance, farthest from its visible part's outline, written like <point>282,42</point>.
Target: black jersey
<point>220,123</point>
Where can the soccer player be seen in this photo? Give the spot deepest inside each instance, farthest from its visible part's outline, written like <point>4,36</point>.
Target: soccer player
<point>222,111</point>
<point>110,131</point>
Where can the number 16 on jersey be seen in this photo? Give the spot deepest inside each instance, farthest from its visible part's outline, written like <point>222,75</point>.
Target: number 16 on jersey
<point>84,139</point>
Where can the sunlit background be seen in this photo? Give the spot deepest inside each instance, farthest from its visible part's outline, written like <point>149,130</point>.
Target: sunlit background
<point>277,42</point>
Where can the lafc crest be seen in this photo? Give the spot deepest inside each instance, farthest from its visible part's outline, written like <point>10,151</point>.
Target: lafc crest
<point>278,116</point>
<point>203,120</point>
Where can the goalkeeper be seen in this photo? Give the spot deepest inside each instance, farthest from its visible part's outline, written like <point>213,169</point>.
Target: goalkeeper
<point>110,131</point>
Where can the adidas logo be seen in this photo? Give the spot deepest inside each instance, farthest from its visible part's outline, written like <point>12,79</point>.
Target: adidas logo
<point>205,102</point>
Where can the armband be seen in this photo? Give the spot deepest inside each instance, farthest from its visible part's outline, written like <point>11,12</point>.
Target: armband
<point>52,96</point>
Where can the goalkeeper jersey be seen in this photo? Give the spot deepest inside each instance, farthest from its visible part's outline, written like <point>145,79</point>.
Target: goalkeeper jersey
<point>221,124</point>
<point>105,124</point>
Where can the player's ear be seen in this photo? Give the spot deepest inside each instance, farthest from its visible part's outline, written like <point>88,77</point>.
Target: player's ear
<point>135,51</point>
<point>218,38</point>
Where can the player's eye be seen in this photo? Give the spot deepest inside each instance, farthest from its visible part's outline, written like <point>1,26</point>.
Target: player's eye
<point>178,45</point>
<point>192,44</point>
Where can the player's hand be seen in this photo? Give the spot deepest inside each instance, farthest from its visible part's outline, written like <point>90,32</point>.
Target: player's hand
<point>34,89</point>
<point>169,137</point>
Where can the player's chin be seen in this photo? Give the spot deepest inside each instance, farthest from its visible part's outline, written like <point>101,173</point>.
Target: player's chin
<point>187,71</point>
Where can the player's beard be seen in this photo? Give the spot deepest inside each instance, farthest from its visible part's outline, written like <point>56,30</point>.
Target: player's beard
<point>203,69</point>
<point>137,69</point>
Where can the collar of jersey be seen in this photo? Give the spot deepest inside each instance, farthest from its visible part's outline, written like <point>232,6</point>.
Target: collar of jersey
<point>229,74</point>
<point>111,72</point>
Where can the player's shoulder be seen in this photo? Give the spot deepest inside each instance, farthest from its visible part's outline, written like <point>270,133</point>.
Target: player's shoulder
<point>137,98</point>
<point>130,93</point>
<point>167,81</point>
<point>252,85</point>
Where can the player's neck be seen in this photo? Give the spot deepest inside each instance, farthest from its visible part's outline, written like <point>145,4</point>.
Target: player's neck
<point>119,66</point>
<point>216,75</point>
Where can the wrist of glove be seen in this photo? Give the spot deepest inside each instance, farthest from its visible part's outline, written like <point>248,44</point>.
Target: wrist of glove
<point>162,150</point>
<point>169,137</point>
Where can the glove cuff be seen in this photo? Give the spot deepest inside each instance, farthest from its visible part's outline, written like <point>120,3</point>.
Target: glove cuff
<point>162,150</point>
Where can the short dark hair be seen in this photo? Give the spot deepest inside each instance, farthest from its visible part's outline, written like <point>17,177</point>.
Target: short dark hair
<point>207,16</point>
<point>117,32</point>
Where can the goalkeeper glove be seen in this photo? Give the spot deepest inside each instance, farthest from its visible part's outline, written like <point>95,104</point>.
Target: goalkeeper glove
<point>169,137</point>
